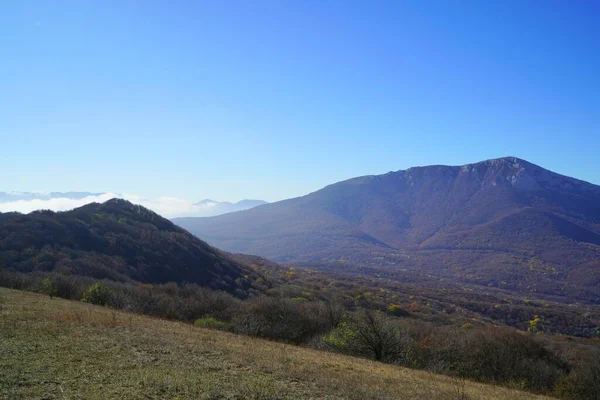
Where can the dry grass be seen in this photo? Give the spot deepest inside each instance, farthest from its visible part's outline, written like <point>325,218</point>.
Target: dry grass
<point>57,349</point>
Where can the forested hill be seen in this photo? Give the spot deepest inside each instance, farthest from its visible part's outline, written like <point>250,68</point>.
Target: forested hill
<point>116,240</point>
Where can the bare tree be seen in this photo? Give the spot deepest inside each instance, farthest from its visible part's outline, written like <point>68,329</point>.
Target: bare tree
<point>379,337</point>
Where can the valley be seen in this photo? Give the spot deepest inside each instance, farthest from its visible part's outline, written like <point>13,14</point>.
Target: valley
<point>366,259</point>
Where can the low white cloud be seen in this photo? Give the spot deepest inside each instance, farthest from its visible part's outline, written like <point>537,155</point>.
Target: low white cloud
<point>171,207</point>
<point>168,207</point>
<point>55,204</point>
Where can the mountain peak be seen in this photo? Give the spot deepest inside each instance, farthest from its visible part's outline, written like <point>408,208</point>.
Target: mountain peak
<point>205,201</point>
<point>119,202</point>
<point>505,170</point>
<point>496,215</point>
<point>509,161</point>
<point>509,170</point>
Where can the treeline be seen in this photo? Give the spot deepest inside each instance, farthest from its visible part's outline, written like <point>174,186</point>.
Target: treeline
<point>490,354</point>
<point>438,301</point>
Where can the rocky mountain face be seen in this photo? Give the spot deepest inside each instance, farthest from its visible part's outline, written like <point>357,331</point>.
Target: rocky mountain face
<point>504,223</point>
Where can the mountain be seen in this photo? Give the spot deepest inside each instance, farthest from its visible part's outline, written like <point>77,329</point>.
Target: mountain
<point>116,240</point>
<point>503,223</point>
<point>210,208</point>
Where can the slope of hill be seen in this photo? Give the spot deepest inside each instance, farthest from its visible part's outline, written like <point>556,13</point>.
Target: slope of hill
<point>505,223</point>
<point>115,240</point>
<point>63,349</point>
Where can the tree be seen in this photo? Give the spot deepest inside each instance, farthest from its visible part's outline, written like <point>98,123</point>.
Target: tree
<point>397,311</point>
<point>335,313</point>
<point>535,325</point>
<point>48,287</point>
<point>97,294</point>
<point>381,338</point>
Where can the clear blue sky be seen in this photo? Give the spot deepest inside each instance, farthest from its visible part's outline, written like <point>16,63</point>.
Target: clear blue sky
<point>256,99</point>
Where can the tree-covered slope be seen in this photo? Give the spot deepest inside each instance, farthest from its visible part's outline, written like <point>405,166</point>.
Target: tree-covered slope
<point>115,240</point>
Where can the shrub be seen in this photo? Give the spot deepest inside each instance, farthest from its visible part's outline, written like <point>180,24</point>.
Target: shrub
<point>249,324</point>
<point>496,355</point>
<point>213,323</point>
<point>335,313</point>
<point>397,311</point>
<point>380,337</point>
<point>281,319</point>
<point>583,383</point>
<point>341,337</point>
<point>374,335</point>
<point>196,302</point>
<point>97,294</point>
<point>47,287</point>
<point>66,288</point>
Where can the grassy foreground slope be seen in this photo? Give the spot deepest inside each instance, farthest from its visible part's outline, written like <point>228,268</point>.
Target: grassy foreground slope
<point>58,349</point>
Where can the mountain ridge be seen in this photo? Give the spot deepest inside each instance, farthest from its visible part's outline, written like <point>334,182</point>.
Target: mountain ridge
<point>116,240</point>
<point>420,217</point>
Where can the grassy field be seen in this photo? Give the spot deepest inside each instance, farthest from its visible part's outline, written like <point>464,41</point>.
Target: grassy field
<point>58,349</point>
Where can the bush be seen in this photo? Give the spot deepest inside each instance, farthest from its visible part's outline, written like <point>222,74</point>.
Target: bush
<point>335,313</point>
<point>583,383</point>
<point>397,311</point>
<point>197,301</point>
<point>16,280</point>
<point>66,288</point>
<point>281,319</point>
<point>501,356</point>
<point>97,294</point>
<point>496,355</point>
<point>340,337</point>
<point>374,335</point>
<point>213,323</point>
<point>47,287</point>
<point>381,338</point>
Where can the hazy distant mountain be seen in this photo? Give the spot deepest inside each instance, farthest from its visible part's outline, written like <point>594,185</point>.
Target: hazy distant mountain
<point>505,223</point>
<point>210,208</point>
<point>116,240</point>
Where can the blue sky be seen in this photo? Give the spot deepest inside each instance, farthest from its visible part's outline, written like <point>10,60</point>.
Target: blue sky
<point>274,99</point>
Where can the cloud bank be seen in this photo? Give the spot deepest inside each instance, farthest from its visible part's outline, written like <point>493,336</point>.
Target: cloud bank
<point>169,207</point>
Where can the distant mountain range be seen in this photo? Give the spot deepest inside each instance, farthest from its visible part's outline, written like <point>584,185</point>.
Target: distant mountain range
<point>120,241</point>
<point>504,223</point>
